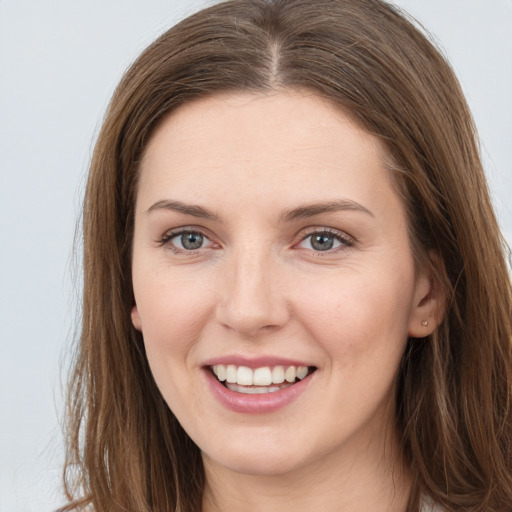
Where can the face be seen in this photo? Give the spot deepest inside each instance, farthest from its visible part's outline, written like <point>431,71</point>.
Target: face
<point>271,249</point>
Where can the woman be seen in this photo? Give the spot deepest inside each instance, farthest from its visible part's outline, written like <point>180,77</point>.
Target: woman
<point>295,290</point>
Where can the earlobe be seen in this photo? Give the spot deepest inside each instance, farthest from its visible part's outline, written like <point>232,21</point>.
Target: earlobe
<point>136,318</point>
<point>428,305</point>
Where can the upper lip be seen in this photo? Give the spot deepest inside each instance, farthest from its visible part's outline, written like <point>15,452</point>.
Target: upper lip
<point>255,362</point>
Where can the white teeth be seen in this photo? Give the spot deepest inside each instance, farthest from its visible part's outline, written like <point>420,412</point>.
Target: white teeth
<point>302,371</point>
<point>290,374</point>
<point>278,375</point>
<point>260,377</point>
<point>231,373</point>
<point>220,371</point>
<point>244,376</point>
<point>255,390</point>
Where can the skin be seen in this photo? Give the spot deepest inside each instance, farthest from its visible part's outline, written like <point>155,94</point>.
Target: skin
<point>257,287</point>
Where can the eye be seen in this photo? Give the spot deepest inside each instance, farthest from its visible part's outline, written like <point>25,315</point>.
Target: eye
<point>325,240</point>
<point>185,241</point>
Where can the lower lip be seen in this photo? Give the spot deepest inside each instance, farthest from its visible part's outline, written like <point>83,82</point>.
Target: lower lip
<point>255,404</point>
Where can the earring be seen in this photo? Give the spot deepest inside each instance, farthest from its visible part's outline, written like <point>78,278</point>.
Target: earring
<point>424,323</point>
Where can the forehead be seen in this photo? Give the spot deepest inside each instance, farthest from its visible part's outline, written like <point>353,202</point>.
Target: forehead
<point>287,146</point>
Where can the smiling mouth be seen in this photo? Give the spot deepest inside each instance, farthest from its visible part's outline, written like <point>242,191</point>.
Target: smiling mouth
<point>266,379</point>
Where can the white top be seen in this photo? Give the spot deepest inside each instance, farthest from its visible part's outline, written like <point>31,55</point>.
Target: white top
<point>429,506</point>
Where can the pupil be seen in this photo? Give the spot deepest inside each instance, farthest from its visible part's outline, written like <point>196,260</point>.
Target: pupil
<point>192,240</point>
<point>322,242</point>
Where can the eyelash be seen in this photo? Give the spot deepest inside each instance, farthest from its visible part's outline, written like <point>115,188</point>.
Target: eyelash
<point>167,238</point>
<point>345,240</point>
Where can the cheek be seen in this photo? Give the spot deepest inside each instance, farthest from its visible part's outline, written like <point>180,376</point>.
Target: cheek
<point>172,315</point>
<point>171,326</point>
<point>357,318</point>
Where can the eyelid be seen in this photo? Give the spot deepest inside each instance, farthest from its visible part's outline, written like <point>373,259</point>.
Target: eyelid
<point>347,241</point>
<point>170,234</point>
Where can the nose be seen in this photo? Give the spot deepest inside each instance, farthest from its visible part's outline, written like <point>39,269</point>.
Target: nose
<point>253,299</point>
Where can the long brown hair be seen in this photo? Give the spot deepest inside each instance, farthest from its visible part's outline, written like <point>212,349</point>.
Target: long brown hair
<point>126,450</point>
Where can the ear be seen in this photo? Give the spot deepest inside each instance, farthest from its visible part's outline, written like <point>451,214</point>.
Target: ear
<point>136,318</point>
<point>428,305</point>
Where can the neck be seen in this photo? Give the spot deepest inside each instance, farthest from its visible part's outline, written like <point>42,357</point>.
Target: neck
<point>360,480</point>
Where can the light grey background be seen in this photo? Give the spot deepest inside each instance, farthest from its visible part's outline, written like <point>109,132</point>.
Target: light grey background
<point>59,63</point>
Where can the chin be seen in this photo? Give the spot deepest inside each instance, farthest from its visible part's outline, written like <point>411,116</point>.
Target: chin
<point>256,464</point>
<point>259,457</point>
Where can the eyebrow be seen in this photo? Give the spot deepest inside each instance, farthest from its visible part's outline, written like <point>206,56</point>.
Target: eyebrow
<point>310,210</point>
<point>187,209</point>
<point>300,212</point>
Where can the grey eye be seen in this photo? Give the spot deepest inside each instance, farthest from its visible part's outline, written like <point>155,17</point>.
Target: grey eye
<point>322,241</point>
<point>189,241</point>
